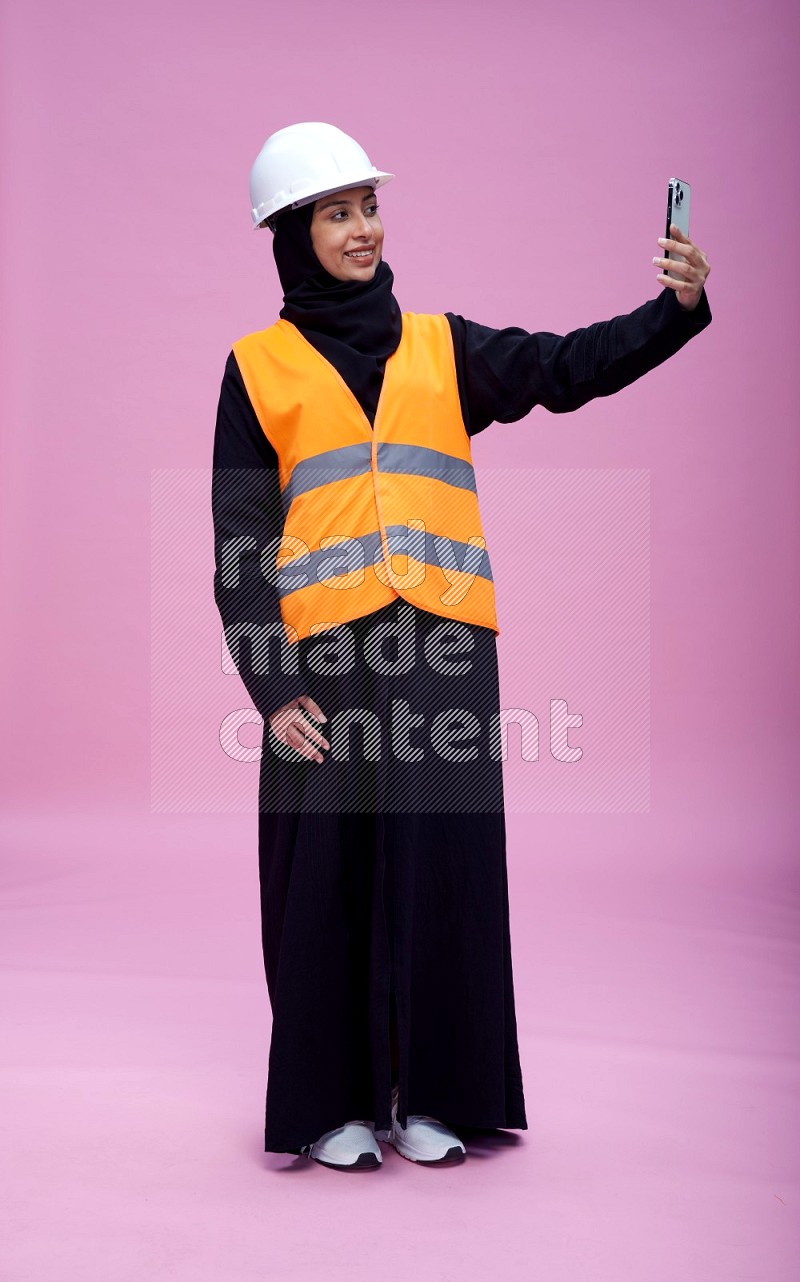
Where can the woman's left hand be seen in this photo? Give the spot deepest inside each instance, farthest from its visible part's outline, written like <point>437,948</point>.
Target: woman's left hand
<point>692,273</point>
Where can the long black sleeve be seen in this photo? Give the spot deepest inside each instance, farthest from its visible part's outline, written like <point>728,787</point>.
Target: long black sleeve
<point>504,373</point>
<point>246,508</point>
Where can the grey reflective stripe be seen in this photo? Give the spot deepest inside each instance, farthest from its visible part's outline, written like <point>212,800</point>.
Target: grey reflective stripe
<point>321,469</point>
<point>418,460</point>
<point>328,563</point>
<point>343,558</point>
<point>448,554</point>
<point>356,460</point>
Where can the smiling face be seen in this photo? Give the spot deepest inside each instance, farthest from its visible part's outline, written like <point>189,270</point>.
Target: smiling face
<point>347,233</point>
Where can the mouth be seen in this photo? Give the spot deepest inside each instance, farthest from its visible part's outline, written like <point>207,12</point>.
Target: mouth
<point>362,257</point>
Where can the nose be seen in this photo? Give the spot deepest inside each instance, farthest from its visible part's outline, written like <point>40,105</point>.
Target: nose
<point>365,229</point>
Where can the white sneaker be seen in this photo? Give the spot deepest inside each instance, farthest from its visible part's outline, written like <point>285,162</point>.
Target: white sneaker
<point>425,1139</point>
<point>351,1147</point>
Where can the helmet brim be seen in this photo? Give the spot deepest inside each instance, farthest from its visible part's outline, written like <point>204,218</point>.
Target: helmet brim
<point>375,179</point>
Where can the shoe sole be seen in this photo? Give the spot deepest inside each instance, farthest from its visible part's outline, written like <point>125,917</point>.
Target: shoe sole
<point>453,1157</point>
<point>364,1162</point>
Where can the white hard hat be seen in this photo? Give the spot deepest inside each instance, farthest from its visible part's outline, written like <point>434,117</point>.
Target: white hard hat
<point>302,162</point>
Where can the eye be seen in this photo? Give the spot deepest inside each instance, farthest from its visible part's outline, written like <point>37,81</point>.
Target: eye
<point>340,213</point>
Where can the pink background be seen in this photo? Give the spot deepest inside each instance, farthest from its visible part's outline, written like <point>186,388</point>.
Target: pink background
<point>655,949</point>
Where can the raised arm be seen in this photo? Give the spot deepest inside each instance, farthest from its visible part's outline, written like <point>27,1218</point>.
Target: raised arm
<point>504,373</point>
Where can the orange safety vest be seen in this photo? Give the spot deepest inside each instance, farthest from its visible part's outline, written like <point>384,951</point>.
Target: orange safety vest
<point>370,514</point>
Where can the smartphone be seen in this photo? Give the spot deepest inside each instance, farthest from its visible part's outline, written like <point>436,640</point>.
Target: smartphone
<point>679,198</point>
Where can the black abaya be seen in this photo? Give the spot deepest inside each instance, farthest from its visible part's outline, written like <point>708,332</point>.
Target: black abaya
<point>385,882</point>
<point>396,883</point>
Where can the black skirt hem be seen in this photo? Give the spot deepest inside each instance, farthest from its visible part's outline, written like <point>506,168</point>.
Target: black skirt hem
<point>472,1125</point>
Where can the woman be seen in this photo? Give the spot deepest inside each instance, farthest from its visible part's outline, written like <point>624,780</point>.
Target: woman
<point>355,587</point>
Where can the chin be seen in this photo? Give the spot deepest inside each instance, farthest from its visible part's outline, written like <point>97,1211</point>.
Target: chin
<point>362,276</point>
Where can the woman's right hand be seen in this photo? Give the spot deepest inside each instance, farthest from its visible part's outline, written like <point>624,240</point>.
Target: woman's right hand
<point>290,727</point>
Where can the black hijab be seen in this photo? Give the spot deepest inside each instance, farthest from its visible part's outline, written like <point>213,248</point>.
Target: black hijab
<point>356,325</point>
